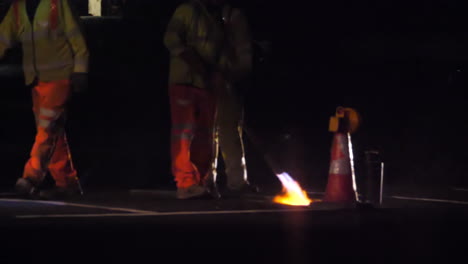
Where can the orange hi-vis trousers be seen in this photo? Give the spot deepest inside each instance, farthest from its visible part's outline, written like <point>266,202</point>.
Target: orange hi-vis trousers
<point>50,151</point>
<point>192,114</point>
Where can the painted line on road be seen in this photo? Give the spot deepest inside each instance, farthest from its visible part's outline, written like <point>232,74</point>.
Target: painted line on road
<point>8,194</point>
<point>128,210</point>
<point>460,189</point>
<point>172,192</point>
<point>182,213</point>
<point>83,215</point>
<point>153,191</point>
<point>429,200</point>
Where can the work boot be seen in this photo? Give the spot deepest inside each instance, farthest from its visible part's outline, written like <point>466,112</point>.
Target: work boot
<point>211,187</point>
<point>27,188</point>
<point>61,193</point>
<point>194,191</point>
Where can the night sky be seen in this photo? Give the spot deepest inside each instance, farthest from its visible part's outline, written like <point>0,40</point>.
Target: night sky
<point>402,65</point>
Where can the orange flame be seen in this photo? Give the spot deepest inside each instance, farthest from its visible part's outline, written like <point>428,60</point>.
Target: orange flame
<point>292,192</point>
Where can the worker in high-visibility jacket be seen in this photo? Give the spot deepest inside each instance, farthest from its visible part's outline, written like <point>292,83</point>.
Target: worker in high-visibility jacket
<point>196,38</point>
<point>236,65</point>
<point>55,63</point>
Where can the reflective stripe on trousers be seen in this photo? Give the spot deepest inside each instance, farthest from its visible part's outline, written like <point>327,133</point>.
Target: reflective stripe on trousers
<point>50,151</point>
<point>229,126</point>
<point>192,117</point>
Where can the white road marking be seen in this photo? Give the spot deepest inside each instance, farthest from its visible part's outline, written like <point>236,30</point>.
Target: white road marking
<point>162,213</point>
<point>460,189</point>
<point>82,215</point>
<point>430,200</point>
<point>171,193</point>
<point>128,210</point>
<point>8,194</point>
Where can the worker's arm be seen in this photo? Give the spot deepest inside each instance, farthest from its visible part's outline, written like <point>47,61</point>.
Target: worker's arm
<point>175,39</point>
<point>74,33</point>
<point>75,37</point>
<point>8,32</point>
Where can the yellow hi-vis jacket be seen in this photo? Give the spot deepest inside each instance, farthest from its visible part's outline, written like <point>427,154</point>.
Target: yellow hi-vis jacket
<point>53,45</point>
<point>193,27</point>
<point>237,58</point>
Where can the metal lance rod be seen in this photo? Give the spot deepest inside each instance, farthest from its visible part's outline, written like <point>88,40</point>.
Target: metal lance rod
<point>381,182</point>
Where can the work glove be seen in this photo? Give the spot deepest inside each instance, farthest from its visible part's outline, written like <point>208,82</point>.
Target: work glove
<point>79,82</point>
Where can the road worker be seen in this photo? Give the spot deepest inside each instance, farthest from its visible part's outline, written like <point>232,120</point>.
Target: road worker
<point>209,56</point>
<point>236,66</point>
<point>55,63</point>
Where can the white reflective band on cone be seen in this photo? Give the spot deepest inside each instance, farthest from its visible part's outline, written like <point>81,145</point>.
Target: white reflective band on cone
<point>341,167</point>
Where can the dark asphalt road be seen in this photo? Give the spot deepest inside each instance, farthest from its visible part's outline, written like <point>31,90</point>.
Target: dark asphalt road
<point>151,226</point>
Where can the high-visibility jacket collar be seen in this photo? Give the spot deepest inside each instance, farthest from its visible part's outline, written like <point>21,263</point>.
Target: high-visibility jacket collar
<point>31,8</point>
<point>53,44</point>
<point>53,17</point>
<point>215,15</point>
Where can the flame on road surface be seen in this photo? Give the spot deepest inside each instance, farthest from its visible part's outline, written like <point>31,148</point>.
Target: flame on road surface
<point>292,193</point>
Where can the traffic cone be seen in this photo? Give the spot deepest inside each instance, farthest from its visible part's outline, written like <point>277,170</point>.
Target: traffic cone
<point>341,187</point>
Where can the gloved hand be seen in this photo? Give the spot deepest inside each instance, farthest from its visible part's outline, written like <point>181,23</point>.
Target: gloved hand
<point>79,82</point>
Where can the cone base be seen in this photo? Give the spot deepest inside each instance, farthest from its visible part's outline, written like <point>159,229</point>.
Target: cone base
<point>340,189</point>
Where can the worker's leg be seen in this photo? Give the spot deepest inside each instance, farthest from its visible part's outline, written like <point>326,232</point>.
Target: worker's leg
<point>49,100</point>
<point>182,101</point>
<point>229,123</point>
<point>61,165</point>
<point>202,144</point>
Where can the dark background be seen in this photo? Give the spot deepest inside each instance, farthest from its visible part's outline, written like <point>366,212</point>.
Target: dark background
<point>401,64</point>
